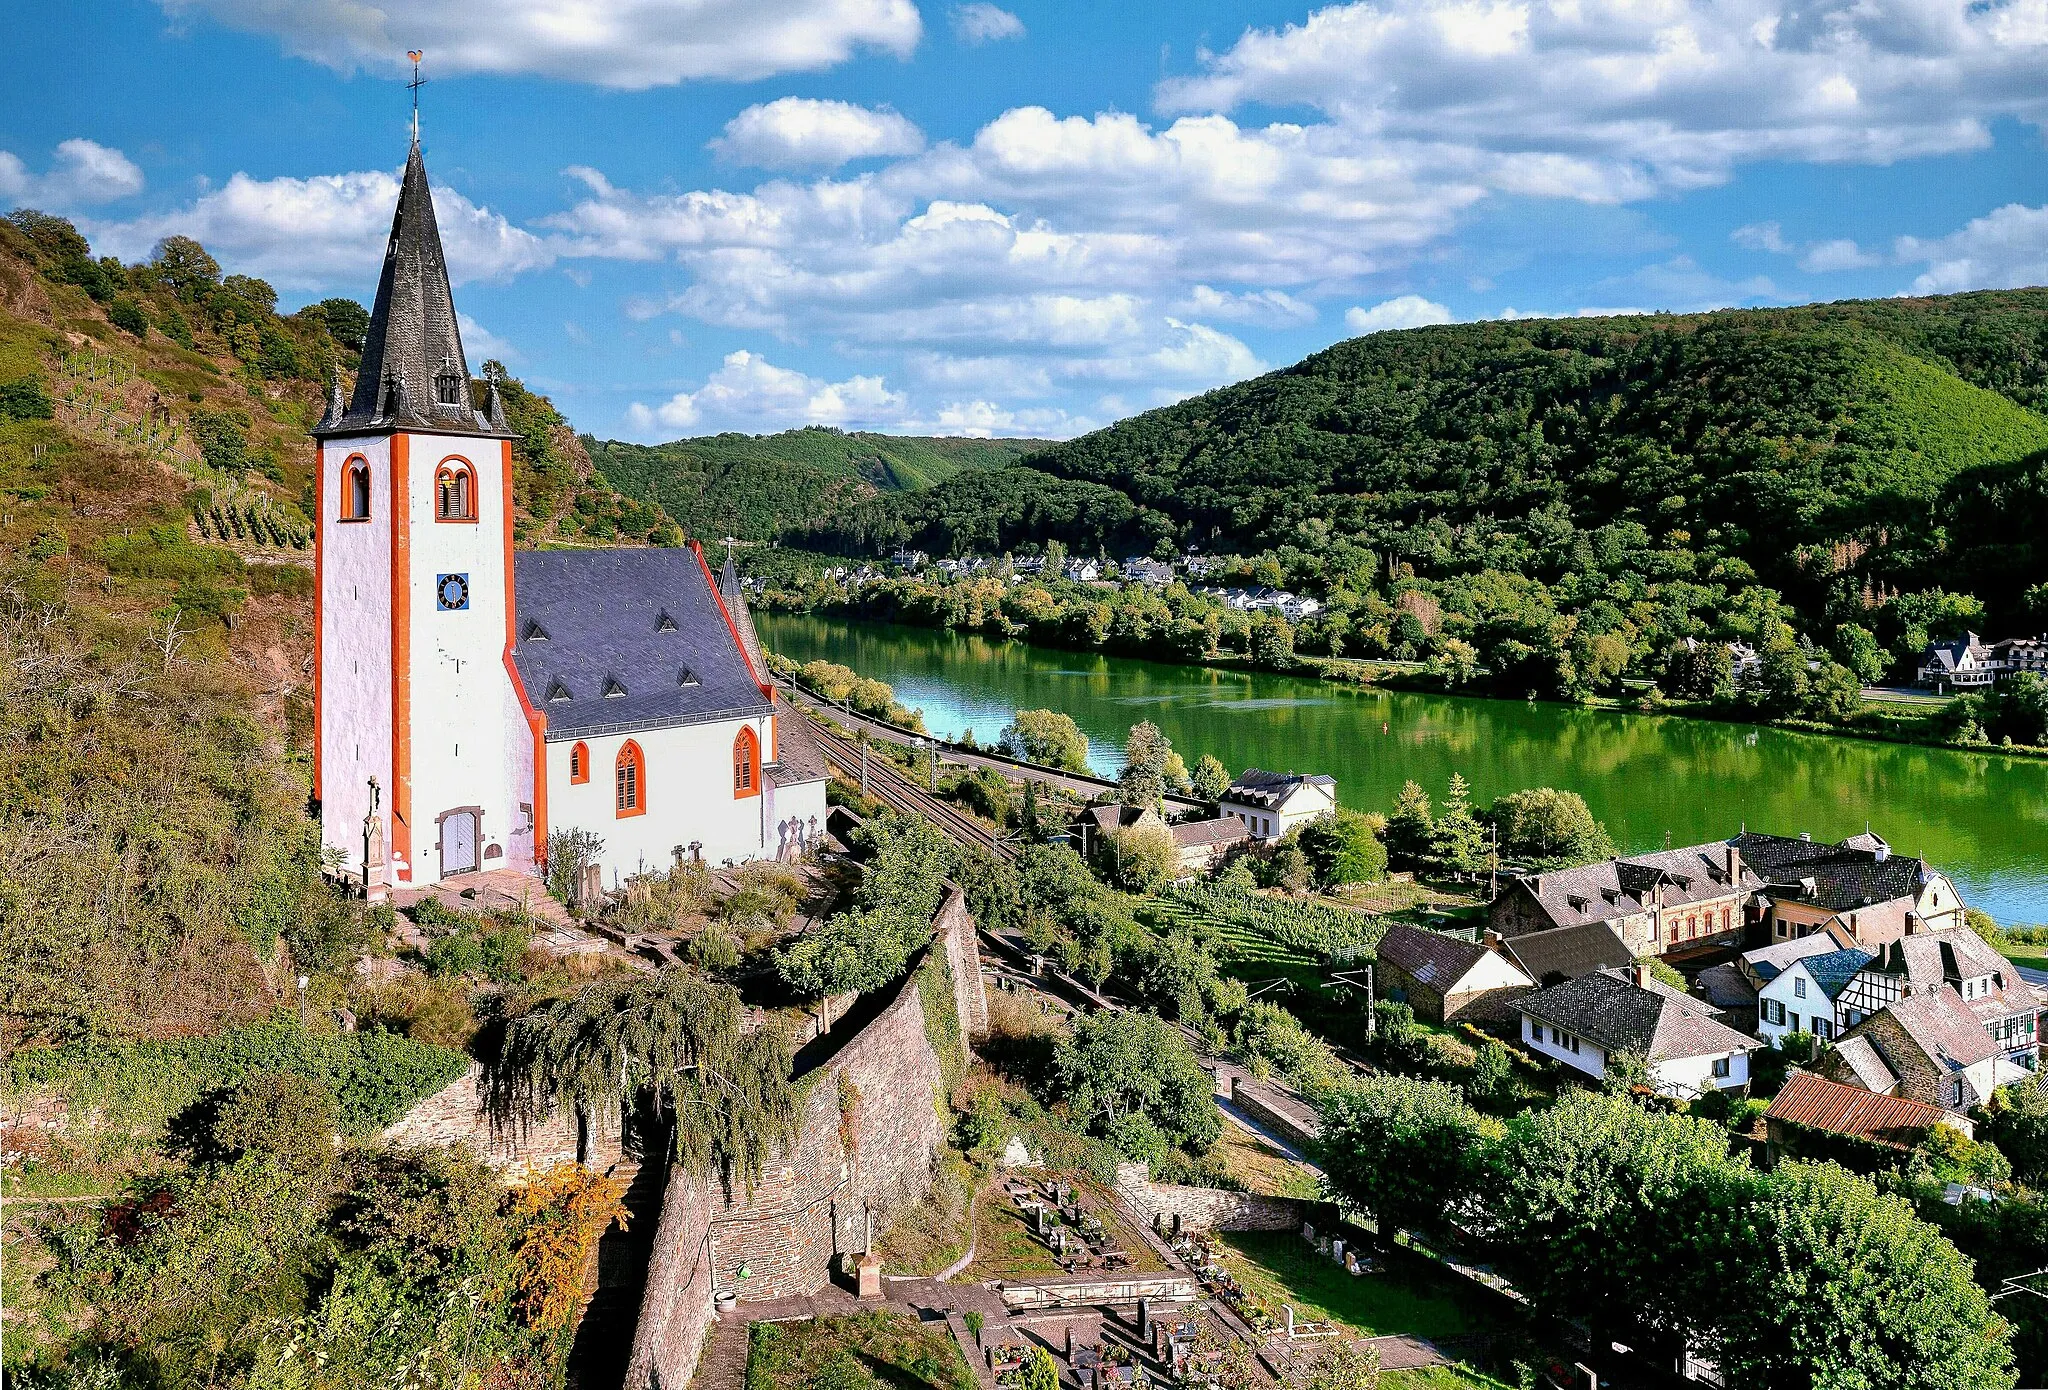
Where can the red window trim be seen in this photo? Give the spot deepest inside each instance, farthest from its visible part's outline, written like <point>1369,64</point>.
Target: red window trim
<point>746,764</point>
<point>456,463</point>
<point>579,764</point>
<point>347,499</point>
<point>630,753</point>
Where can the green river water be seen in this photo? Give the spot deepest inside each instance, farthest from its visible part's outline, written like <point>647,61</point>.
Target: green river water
<point>1980,817</point>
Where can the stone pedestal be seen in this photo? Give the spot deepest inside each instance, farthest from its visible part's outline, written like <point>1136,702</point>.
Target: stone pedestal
<point>868,1277</point>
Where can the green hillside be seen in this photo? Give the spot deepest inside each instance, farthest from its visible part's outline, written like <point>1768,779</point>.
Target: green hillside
<point>753,486</point>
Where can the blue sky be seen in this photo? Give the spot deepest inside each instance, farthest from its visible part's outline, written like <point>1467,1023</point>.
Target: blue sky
<point>681,216</point>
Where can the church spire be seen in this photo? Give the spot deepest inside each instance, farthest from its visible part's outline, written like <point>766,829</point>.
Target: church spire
<point>413,373</point>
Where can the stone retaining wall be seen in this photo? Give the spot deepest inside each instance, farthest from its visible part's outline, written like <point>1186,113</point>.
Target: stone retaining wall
<point>1286,1115</point>
<point>455,1114</point>
<point>868,1140</point>
<point>1212,1208</point>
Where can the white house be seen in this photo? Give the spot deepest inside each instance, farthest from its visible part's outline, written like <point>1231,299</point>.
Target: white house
<point>1963,663</point>
<point>1806,995</point>
<point>1273,803</point>
<point>470,699</point>
<point>1583,1023</point>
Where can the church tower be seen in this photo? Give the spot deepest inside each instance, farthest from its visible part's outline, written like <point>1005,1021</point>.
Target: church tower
<point>424,760</point>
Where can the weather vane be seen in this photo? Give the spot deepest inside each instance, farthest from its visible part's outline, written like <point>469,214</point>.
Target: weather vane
<point>414,86</point>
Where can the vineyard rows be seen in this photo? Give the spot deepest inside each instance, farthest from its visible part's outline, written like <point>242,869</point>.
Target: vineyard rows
<point>1279,931</point>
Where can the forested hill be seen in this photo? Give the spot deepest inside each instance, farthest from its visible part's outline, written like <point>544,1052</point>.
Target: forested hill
<point>753,486</point>
<point>1827,447</point>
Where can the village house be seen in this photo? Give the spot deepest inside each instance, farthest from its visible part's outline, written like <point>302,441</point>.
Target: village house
<point>1926,1047</point>
<point>1444,978</point>
<point>1673,902</point>
<point>1811,1108</point>
<point>1273,803</point>
<point>1875,895</point>
<point>1565,953</point>
<point>1803,997</point>
<point>1155,574</point>
<point>1959,664</point>
<point>1200,845</point>
<point>1585,1023</point>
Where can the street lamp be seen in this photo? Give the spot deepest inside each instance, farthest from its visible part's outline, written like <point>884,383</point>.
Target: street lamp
<point>303,982</point>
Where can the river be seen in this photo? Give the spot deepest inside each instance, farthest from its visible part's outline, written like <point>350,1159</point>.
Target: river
<point>1980,817</point>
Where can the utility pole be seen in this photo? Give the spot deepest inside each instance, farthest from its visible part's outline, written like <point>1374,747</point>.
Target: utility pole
<point>863,762</point>
<point>1493,872</point>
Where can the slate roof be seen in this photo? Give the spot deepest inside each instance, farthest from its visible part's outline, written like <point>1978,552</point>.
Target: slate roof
<point>1766,963</point>
<point>1618,888</point>
<point>798,758</point>
<point>1941,1027</point>
<point>1568,951</point>
<point>1269,789</point>
<point>1114,817</point>
<point>1217,830</point>
<point>1818,1103</point>
<point>1428,957</point>
<point>413,335</point>
<point>1618,1015</point>
<point>1833,970</point>
<point>1859,1059</point>
<point>644,624</point>
<point>1845,876</point>
<point>1726,988</point>
<point>735,597</point>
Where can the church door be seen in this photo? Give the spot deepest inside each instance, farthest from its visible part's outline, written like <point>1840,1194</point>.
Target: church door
<point>458,843</point>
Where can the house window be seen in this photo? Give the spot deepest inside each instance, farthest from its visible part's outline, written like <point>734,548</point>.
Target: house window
<point>1957,1093</point>
<point>579,764</point>
<point>629,778</point>
<point>455,492</point>
<point>1774,1011</point>
<point>1822,1028</point>
<point>746,764</point>
<point>355,489</point>
<point>1724,1067</point>
<point>1799,988</point>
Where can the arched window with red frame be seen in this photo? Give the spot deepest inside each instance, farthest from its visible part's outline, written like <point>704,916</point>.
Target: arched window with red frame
<point>455,491</point>
<point>629,782</point>
<point>746,764</point>
<point>579,764</point>
<point>355,489</point>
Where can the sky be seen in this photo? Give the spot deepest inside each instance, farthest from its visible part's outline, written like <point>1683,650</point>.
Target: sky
<point>678,217</point>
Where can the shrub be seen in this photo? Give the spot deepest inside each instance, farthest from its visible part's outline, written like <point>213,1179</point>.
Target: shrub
<point>279,1115</point>
<point>126,315</point>
<point>25,398</point>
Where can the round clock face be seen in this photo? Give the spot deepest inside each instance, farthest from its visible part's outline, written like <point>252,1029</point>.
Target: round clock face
<point>454,591</point>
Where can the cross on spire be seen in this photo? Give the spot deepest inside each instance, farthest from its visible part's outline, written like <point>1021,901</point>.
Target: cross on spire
<point>414,86</point>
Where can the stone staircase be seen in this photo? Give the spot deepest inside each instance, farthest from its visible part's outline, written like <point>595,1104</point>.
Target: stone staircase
<point>604,1336</point>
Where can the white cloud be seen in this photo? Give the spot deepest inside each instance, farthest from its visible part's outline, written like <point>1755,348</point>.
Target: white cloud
<point>2003,249</point>
<point>1404,311</point>
<point>1762,236</point>
<point>81,173</point>
<point>750,392</point>
<point>1616,99</point>
<point>628,44</point>
<point>330,229</point>
<point>480,344</point>
<point>1263,308</point>
<point>1839,254</point>
<point>799,132</point>
<point>984,23</point>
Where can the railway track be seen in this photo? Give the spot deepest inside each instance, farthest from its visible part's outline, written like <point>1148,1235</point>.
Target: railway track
<point>889,786</point>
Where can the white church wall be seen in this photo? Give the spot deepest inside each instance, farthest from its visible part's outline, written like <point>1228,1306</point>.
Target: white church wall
<point>461,697</point>
<point>796,817</point>
<point>355,647</point>
<point>688,795</point>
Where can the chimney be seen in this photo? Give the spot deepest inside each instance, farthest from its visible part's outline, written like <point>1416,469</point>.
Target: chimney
<point>1915,924</point>
<point>1636,973</point>
<point>1490,939</point>
<point>1734,866</point>
<point>1806,835</point>
<point>1536,884</point>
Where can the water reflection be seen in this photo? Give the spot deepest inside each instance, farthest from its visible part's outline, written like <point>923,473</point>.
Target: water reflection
<point>1981,817</point>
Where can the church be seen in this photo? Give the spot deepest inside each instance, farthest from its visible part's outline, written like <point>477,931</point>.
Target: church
<point>472,700</point>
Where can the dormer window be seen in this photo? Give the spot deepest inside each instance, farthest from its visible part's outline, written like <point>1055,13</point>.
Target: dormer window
<point>448,383</point>
<point>534,631</point>
<point>663,622</point>
<point>557,692</point>
<point>687,677</point>
<point>612,688</point>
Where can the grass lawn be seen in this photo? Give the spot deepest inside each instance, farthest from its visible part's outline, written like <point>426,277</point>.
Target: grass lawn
<point>1253,1161</point>
<point>1441,1378</point>
<point>1279,1267</point>
<point>861,1352</point>
<point>2020,953</point>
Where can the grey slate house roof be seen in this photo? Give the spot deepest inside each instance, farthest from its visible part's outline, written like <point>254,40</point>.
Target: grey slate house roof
<point>1938,1024</point>
<point>1929,960</point>
<point>1766,963</point>
<point>798,758</point>
<point>1568,951</point>
<point>1429,958</point>
<point>610,641</point>
<point>1855,1056</point>
<point>1218,830</point>
<point>1618,888</point>
<point>1727,989</point>
<point>1268,789</point>
<point>413,338</point>
<point>1618,1015</point>
<point>1859,872</point>
<point>1832,970</point>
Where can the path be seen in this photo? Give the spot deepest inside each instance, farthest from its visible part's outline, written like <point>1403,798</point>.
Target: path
<point>611,1312</point>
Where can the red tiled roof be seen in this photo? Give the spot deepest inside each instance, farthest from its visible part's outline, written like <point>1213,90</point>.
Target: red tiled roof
<point>1822,1104</point>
